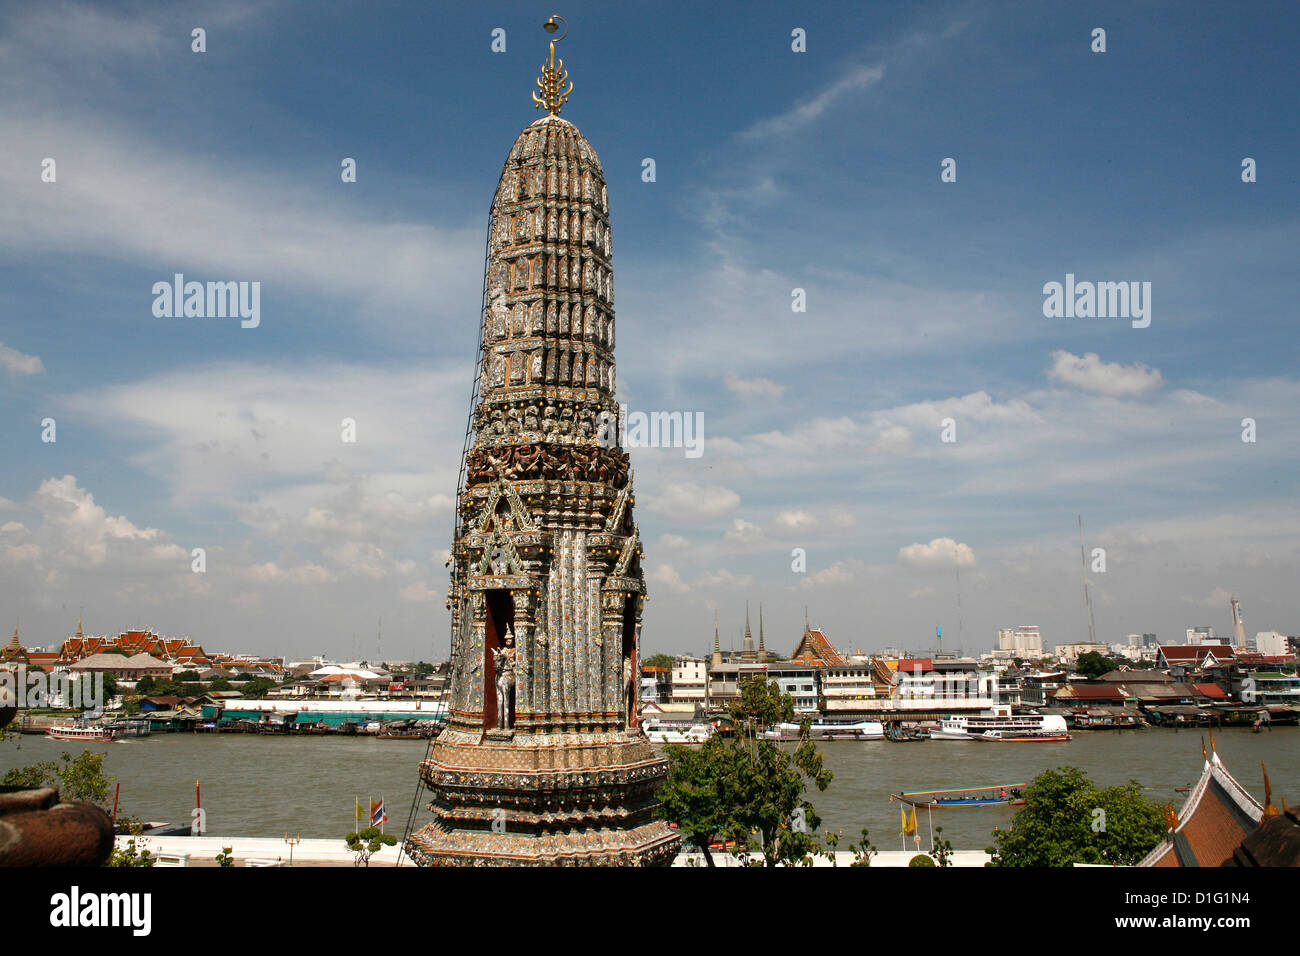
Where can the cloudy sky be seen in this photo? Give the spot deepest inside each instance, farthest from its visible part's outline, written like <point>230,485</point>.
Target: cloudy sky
<point>775,170</point>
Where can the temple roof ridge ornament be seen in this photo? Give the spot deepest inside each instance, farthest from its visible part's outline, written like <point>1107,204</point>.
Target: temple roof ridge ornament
<point>554,75</point>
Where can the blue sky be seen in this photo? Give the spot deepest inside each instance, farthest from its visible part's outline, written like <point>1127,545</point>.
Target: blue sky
<point>775,170</point>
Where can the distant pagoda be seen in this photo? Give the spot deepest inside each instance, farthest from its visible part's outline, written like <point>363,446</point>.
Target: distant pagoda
<point>542,761</point>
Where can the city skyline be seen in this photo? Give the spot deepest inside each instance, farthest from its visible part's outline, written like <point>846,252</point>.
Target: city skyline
<point>775,171</point>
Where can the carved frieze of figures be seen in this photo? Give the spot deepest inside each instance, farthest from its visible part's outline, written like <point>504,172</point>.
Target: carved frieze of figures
<point>559,462</point>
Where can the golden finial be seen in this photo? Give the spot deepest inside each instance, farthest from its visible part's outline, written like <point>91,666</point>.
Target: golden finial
<point>1171,817</point>
<point>1204,753</point>
<point>554,75</point>
<point>1269,809</point>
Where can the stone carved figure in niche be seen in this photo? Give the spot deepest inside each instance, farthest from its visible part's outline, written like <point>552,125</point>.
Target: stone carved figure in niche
<point>504,659</point>
<point>548,419</point>
<point>536,373</point>
<point>528,461</point>
<point>499,371</point>
<point>530,413</point>
<point>629,684</point>
<point>498,561</point>
<point>512,421</point>
<point>566,415</point>
<point>553,460</point>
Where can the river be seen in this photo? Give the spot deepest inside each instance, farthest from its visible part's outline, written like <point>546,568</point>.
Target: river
<point>268,786</point>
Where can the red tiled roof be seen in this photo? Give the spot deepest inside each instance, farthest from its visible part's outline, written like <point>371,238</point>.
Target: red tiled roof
<point>915,665</point>
<point>1195,652</point>
<point>815,648</point>
<point>1218,815</point>
<point>1213,691</point>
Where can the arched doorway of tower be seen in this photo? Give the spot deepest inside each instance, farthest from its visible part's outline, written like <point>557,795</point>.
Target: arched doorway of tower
<point>631,669</point>
<point>500,618</point>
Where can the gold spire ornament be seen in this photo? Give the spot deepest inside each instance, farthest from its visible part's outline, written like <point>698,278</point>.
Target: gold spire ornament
<point>554,75</point>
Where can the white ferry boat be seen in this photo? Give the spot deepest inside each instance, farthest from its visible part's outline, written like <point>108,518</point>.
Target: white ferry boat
<point>824,728</point>
<point>1001,727</point>
<point>831,729</point>
<point>79,730</point>
<point>665,733</point>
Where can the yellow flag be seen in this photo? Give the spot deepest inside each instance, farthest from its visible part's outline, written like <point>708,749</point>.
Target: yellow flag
<point>361,814</point>
<point>911,825</point>
<point>902,812</point>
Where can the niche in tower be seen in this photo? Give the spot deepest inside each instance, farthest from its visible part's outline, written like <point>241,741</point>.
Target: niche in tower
<point>631,665</point>
<point>500,615</point>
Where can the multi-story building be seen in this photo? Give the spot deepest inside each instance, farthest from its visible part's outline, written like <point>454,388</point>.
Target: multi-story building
<point>1272,644</point>
<point>847,687</point>
<point>1069,653</point>
<point>800,681</point>
<point>1038,687</point>
<point>1024,641</point>
<point>690,680</point>
<point>1201,635</point>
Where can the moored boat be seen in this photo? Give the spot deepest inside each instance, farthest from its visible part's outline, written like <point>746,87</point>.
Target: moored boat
<point>1021,736</point>
<point>1011,794</point>
<point>664,733</point>
<point>974,726</point>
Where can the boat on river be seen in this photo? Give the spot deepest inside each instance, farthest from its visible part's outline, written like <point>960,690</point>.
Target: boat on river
<point>1009,794</point>
<point>81,730</point>
<point>1017,726</point>
<point>1021,737</point>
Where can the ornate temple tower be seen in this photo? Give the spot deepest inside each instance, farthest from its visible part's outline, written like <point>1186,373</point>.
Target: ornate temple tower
<point>542,761</point>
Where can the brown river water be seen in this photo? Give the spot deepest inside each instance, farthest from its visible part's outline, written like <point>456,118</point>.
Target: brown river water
<point>267,786</point>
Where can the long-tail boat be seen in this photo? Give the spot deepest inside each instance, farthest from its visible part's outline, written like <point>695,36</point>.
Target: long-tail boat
<point>1004,793</point>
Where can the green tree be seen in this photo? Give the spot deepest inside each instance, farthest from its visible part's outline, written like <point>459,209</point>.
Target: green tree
<point>77,778</point>
<point>1067,819</point>
<point>219,684</point>
<point>257,687</point>
<point>367,843</point>
<point>1093,664</point>
<point>748,789</point>
<point>659,660</point>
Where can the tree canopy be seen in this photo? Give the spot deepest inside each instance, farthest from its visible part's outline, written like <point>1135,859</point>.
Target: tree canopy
<point>1068,819</point>
<point>748,789</point>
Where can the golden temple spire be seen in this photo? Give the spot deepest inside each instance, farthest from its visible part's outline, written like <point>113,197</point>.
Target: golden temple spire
<point>554,75</point>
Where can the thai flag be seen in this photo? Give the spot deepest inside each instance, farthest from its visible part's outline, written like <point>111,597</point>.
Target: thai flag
<point>377,816</point>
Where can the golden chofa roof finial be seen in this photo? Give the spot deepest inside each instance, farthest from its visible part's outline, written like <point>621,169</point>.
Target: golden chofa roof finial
<point>554,75</point>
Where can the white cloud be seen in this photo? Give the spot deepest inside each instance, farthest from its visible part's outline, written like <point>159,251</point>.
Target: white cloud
<point>794,521</point>
<point>894,440</point>
<point>939,553</point>
<point>724,580</point>
<point>16,363</point>
<point>1106,378</point>
<point>667,576</point>
<point>839,573</point>
<point>754,387</point>
<point>687,501</point>
<point>809,110</point>
<point>743,532</point>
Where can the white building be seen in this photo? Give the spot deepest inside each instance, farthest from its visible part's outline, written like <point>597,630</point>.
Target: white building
<point>1272,644</point>
<point>1202,635</point>
<point>1024,640</point>
<point>690,680</point>
<point>1069,653</point>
